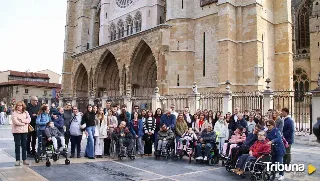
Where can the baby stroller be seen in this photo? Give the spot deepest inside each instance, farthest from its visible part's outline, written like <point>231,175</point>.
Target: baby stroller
<point>189,151</point>
<point>48,152</point>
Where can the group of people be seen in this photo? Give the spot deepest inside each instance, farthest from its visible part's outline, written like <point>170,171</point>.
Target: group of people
<point>142,129</point>
<point>5,113</point>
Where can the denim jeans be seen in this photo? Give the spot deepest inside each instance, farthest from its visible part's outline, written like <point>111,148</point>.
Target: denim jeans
<point>39,135</point>
<point>140,145</point>
<point>243,159</point>
<point>277,158</point>
<point>221,142</point>
<point>90,143</point>
<point>208,147</point>
<point>20,140</point>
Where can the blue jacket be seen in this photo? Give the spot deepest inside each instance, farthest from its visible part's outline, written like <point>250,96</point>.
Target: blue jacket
<point>251,138</point>
<point>42,121</point>
<point>140,128</point>
<point>275,136</point>
<point>170,121</point>
<point>288,130</point>
<point>59,122</point>
<point>208,137</point>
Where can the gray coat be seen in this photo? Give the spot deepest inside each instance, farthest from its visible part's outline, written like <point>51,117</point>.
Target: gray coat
<point>52,132</point>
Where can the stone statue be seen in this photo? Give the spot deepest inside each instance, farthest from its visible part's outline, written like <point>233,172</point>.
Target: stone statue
<point>156,90</point>
<point>195,88</point>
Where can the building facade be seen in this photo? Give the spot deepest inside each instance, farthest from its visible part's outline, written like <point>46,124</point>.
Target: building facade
<point>20,86</point>
<point>129,47</point>
<point>54,77</point>
<point>306,47</point>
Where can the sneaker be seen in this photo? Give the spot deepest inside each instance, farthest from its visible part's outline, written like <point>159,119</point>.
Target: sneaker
<point>25,162</point>
<point>281,177</point>
<point>205,158</point>
<point>17,163</point>
<point>199,158</point>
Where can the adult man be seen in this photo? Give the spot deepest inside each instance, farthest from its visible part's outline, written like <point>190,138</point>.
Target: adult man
<point>108,106</point>
<point>169,120</point>
<point>124,136</point>
<point>236,122</point>
<point>136,109</point>
<point>125,115</point>
<point>33,109</point>
<point>164,136</point>
<point>67,115</point>
<point>173,111</point>
<point>187,117</point>
<point>288,134</point>
<point>244,148</point>
<point>207,137</point>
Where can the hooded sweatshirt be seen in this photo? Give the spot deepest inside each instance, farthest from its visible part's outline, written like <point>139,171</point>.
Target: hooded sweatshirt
<point>75,124</point>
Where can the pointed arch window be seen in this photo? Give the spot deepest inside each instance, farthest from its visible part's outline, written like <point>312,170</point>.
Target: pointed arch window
<point>303,26</point>
<point>301,83</point>
<point>113,32</point>
<point>129,25</point>
<point>138,21</point>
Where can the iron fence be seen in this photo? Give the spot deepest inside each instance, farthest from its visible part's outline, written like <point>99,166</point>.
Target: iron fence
<point>180,101</point>
<point>299,104</point>
<point>212,101</point>
<point>82,103</point>
<point>247,100</point>
<point>144,102</point>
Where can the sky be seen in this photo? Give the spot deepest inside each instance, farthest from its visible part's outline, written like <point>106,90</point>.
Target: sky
<point>32,34</point>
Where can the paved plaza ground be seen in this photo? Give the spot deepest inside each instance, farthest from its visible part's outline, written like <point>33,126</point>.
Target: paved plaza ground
<point>146,168</point>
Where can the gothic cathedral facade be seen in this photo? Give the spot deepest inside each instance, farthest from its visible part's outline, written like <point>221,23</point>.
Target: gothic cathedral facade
<point>130,47</point>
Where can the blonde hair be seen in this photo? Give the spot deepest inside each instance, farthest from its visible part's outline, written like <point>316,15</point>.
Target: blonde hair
<point>23,106</point>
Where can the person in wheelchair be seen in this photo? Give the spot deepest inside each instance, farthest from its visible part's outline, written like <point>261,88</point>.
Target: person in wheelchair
<point>185,140</point>
<point>208,137</point>
<point>258,149</point>
<point>237,139</point>
<point>53,134</point>
<point>165,135</point>
<point>124,138</point>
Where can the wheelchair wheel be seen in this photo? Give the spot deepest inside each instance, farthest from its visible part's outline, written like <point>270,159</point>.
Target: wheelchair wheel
<point>67,162</point>
<point>216,160</point>
<point>268,176</point>
<point>132,158</point>
<point>228,168</point>
<point>253,178</point>
<point>113,150</point>
<point>55,157</point>
<point>48,163</point>
<point>211,161</point>
<point>36,158</point>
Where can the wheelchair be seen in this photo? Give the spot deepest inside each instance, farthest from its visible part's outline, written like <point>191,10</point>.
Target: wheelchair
<point>213,157</point>
<point>121,152</point>
<point>229,162</point>
<point>48,152</point>
<point>190,151</point>
<point>168,151</point>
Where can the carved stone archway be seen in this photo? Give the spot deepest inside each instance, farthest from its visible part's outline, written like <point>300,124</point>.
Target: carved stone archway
<point>81,81</point>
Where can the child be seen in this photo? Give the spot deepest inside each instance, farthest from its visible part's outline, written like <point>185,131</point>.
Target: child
<point>53,134</point>
<point>238,138</point>
<point>186,137</point>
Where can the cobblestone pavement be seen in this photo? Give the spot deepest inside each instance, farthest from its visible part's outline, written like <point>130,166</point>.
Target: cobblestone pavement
<point>140,169</point>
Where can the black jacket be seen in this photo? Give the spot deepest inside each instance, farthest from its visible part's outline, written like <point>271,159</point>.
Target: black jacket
<point>233,125</point>
<point>88,119</point>
<point>33,110</point>
<point>191,118</point>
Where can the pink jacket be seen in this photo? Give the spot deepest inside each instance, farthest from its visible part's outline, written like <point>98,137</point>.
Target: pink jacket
<point>20,122</point>
<point>237,138</point>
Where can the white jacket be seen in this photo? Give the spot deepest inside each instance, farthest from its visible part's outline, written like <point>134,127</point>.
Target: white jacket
<point>101,131</point>
<point>221,129</point>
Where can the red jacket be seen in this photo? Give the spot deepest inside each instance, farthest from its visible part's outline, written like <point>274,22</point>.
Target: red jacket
<point>260,147</point>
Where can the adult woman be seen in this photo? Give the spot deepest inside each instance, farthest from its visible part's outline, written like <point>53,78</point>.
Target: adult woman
<point>100,132</point>
<point>88,119</point>
<point>228,117</point>
<point>211,118</point>
<point>112,123</point>
<point>279,122</point>
<point>221,129</point>
<point>136,129</point>
<point>181,127</point>
<point>217,116</point>
<point>150,126</point>
<point>42,119</point>
<point>195,118</point>
<point>274,135</point>
<point>199,124</point>
<point>157,116</point>
<point>20,122</point>
<point>95,109</point>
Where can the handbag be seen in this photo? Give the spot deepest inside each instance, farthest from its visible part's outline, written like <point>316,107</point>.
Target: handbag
<point>30,128</point>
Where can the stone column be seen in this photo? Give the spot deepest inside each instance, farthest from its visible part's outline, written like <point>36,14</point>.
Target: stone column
<point>49,101</point>
<point>92,26</point>
<point>104,99</point>
<point>316,101</point>
<point>227,99</point>
<point>61,102</point>
<point>194,99</point>
<point>267,97</point>
<point>74,100</point>
<point>156,103</point>
<point>127,100</point>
